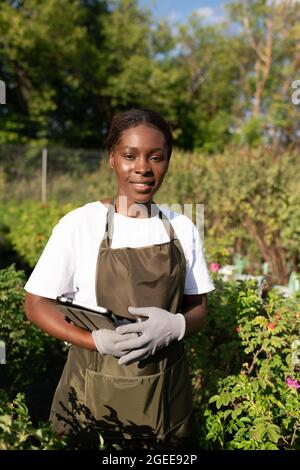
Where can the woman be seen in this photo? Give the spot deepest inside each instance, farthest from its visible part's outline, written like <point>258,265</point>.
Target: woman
<point>139,261</point>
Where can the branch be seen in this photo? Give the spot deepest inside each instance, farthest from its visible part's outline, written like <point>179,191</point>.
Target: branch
<point>269,45</point>
<point>294,435</point>
<point>254,45</point>
<point>254,360</point>
<point>258,235</point>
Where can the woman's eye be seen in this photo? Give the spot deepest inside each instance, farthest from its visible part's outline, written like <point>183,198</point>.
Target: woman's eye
<point>156,158</point>
<point>128,156</point>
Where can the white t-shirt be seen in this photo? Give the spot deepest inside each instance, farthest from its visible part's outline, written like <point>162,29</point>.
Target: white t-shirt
<point>68,262</point>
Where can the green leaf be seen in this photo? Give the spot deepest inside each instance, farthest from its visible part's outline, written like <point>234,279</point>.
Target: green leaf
<point>213,398</point>
<point>259,432</point>
<point>273,433</point>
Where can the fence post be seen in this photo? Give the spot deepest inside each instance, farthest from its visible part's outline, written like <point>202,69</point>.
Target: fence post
<point>2,352</point>
<point>2,92</point>
<point>44,174</point>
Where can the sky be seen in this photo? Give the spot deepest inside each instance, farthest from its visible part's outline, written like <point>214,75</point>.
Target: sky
<point>179,10</point>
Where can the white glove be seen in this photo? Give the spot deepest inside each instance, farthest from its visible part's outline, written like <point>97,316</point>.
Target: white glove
<point>157,331</point>
<point>109,342</point>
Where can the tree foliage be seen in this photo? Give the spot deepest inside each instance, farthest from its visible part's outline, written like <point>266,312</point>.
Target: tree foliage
<point>69,66</point>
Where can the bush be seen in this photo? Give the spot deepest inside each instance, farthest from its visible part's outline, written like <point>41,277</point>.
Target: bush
<point>18,433</point>
<point>26,345</point>
<point>253,204</point>
<point>28,226</point>
<point>245,385</point>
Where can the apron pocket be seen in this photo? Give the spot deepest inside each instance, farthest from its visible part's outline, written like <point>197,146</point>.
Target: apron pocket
<point>140,407</point>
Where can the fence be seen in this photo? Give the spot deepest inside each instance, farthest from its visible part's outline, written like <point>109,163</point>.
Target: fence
<point>21,162</point>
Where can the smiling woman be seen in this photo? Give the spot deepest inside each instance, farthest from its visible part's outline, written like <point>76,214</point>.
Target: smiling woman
<point>140,168</point>
<point>144,264</point>
<point>139,152</point>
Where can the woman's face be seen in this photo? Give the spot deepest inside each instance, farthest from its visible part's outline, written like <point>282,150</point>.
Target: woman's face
<point>140,162</point>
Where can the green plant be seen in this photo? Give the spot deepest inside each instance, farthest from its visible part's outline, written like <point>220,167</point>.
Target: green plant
<point>26,345</point>
<point>36,221</point>
<point>18,433</point>
<point>246,387</point>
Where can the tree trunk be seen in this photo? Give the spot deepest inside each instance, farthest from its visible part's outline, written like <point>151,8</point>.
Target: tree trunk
<point>263,61</point>
<point>274,254</point>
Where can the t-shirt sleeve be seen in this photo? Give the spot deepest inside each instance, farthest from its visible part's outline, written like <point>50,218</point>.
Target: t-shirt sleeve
<point>53,274</point>
<point>197,280</point>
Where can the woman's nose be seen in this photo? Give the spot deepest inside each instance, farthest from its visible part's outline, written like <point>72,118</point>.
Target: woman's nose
<point>142,165</point>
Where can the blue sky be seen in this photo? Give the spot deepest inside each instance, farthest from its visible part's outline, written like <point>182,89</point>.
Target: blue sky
<point>179,10</point>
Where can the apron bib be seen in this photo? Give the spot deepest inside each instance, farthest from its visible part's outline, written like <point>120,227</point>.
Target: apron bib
<point>149,399</point>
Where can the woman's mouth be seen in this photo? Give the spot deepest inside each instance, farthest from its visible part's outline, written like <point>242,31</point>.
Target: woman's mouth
<point>145,187</point>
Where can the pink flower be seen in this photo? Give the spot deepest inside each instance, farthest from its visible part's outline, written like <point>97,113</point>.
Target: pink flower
<point>292,383</point>
<point>214,267</point>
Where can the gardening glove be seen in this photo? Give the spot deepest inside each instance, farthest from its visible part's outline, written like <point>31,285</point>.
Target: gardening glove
<point>110,342</point>
<point>156,332</point>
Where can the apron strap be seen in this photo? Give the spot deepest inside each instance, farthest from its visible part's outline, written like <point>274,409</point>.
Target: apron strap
<point>109,227</point>
<point>167,224</point>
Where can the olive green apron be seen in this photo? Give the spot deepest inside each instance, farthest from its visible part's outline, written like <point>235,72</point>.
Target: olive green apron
<point>148,399</point>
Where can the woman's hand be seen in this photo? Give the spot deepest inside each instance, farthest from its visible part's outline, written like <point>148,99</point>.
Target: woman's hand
<point>157,331</point>
<point>110,342</point>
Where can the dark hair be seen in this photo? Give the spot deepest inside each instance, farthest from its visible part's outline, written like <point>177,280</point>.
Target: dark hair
<point>134,117</point>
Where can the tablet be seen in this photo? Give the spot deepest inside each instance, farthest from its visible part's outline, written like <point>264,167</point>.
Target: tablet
<point>89,317</point>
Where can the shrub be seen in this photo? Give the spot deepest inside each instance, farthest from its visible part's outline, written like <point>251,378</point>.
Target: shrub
<point>17,431</point>
<point>26,345</point>
<point>29,225</point>
<point>245,384</point>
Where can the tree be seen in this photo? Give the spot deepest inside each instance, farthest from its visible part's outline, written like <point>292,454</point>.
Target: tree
<point>270,31</point>
<point>209,68</point>
<point>253,197</point>
<point>69,73</point>
<point>52,67</point>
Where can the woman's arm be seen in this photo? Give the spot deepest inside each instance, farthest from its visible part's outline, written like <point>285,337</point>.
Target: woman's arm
<point>194,308</point>
<point>44,314</point>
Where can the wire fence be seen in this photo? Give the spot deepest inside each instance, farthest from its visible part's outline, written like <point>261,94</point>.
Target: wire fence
<point>21,163</point>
